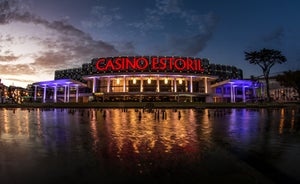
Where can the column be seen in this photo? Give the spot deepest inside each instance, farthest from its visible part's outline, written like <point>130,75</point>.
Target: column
<point>77,93</point>
<point>185,84</point>
<point>262,91</point>
<point>94,84</point>
<point>231,92</point>
<point>65,93</point>
<point>205,85</point>
<point>55,94</point>
<point>108,85</point>
<point>175,85</point>
<point>141,88</point>
<point>254,92</point>
<point>222,91</point>
<point>35,90</point>
<point>157,84</point>
<point>141,85</point>
<point>124,84</point>
<point>244,95</point>
<point>68,97</point>
<point>44,96</point>
<point>234,93</point>
<point>191,84</point>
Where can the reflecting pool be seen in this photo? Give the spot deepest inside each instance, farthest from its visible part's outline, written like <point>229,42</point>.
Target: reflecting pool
<point>149,146</point>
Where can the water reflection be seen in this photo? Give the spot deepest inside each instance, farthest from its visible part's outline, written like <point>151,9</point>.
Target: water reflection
<point>130,134</point>
<point>5,121</point>
<point>14,123</point>
<point>281,121</point>
<point>147,143</point>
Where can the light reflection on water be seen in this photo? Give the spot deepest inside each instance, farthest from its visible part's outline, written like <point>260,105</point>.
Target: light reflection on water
<point>182,142</point>
<point>144,135</point>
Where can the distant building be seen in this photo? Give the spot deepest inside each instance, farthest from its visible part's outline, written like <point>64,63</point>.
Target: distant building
<point>3,92</point>
<point>16,94</point>
<point>280,93</point>
<point>13,94</point>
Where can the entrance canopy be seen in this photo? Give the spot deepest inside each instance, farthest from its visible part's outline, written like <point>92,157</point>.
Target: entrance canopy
<point>55,84</point>
<point>60,83</point>
<point>235,89</point>
<point>236,83</point>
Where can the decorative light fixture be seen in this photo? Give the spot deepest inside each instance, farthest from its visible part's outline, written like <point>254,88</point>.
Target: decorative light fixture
<point>166,80</point>
<point>134,81</point>
<point>149,81</point>
<point>118,81</point>
<point>180,81</point>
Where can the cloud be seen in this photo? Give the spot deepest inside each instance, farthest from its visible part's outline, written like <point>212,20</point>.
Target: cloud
<point>102,17</point>
<point>8,58</point>
<point>154,18</point>
<point>188,46</point>
<point>274,36</point>
<point>191,45</point>
<point>45,46</point>
<point>6,38</point>
<point>51,59</point>
<point>57,43</point>
<point>185,32</point>
<point>18,69</point>
<point>11,12</point>
<point>168,6</point>
<point>19,80</point>
<point>274,39</point>
<point>127,48</point>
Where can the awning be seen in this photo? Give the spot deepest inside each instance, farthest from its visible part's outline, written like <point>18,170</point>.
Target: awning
<point>60,83</point>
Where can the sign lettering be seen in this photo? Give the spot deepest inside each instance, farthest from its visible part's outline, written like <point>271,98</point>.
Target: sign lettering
<point>149,63</point>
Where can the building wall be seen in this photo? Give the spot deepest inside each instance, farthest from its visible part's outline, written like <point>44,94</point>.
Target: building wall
<point>73,73</point>
<point>223,72</point>
<point>88,71</point>
<point>280,93</point>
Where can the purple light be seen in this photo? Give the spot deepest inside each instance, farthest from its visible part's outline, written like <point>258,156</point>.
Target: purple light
<point>245,83</point>
<point>61,82</point>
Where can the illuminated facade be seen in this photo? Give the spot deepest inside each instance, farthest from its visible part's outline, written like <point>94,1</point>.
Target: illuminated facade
<point>151,78</point>
<point>148,78</point>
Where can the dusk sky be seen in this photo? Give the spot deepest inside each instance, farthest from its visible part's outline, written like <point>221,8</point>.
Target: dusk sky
<point>38,37</point>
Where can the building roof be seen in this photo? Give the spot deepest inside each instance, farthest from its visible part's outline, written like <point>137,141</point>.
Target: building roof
<point>234,82</point>
<point>60,83</point>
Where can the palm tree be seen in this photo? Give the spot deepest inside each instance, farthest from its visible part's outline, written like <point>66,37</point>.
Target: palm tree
<point>265,59</point>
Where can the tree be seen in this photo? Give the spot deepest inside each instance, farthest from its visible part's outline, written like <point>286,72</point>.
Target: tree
<point>265,59</point>
<point>290,79</point>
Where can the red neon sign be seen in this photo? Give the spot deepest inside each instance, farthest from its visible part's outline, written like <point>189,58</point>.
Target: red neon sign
<point>151,63</point>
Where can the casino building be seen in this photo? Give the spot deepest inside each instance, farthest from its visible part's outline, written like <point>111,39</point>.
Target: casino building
<point>147,78</point>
